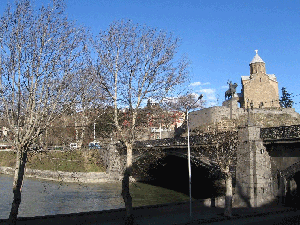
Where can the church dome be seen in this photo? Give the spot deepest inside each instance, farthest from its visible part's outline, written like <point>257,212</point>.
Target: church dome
<point>256,58</point>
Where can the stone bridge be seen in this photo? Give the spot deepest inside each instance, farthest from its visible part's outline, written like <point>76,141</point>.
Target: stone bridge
<point>267,160</point>
<point>268,164</point>
<point>283,144</point>
<point>178,147</point>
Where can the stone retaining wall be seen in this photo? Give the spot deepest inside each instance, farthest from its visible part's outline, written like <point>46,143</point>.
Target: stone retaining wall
<point>259,116</point>
<point>91,177</point>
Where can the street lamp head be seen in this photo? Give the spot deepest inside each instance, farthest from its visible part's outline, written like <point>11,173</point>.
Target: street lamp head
<point>190,106</point>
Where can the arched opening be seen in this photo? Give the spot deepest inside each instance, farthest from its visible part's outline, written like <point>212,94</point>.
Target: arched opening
<point>297,180</point>
<point>171,172</point>
<point>293,190</point>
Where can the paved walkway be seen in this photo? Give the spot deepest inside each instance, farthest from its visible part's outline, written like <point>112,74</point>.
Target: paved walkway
<point>155,215</point>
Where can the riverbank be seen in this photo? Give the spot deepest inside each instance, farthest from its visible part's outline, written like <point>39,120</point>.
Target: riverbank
<point>61,176</point>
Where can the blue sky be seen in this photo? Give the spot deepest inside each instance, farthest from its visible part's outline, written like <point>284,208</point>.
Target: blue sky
<point>219,37</point>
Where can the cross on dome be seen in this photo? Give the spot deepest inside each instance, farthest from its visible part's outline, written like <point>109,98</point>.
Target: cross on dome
<point>256,58</point>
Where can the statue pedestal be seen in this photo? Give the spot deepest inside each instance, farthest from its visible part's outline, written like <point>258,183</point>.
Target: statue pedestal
<point>231,103</point>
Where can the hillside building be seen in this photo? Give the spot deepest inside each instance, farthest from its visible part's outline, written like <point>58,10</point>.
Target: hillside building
<point>259,90</point>
<point>259,102</point>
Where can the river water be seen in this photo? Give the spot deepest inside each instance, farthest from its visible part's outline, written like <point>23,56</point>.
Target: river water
<point>40,197</point>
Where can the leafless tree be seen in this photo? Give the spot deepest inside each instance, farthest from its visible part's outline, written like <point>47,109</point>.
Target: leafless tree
<point>89,98</point>
<point>184,103</point>
<point>136,63</point>
<point>223,156</point>
<point>40,53</point>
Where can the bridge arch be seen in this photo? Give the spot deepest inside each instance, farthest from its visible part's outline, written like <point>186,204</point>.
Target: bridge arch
<point>282,145</point>
<point>171,171</point>
<point>290,184</point>
<point>195,159</point>
<point>291,171</point>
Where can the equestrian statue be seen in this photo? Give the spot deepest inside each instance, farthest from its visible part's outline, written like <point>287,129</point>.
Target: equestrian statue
<point>231,91</point>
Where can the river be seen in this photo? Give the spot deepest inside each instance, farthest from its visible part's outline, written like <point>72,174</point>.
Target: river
<point>41,197</point>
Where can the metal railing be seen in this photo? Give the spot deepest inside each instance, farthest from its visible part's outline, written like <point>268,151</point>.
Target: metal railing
<point>280,133</point>
<point>203,139</point>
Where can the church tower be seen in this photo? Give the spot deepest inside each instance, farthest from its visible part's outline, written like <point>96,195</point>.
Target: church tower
<point>259,90</point>
<point>257,65</point>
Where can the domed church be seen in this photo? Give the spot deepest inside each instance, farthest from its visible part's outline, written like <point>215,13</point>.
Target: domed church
<point>259,90</point>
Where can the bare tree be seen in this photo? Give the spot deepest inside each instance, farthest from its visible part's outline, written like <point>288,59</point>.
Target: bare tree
<point>40,53</point>
<point>223,155</point>
<point>136,63</point>
<point>89,98</point>
<point>184,103</point>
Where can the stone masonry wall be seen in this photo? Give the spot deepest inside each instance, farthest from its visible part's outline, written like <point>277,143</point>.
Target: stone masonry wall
<point>254,183</point>
<point>213,115</point>
<point>261,89</point>
<point>244,173</point>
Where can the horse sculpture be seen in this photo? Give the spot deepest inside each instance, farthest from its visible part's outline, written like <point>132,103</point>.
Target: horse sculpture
<point>231,91</point>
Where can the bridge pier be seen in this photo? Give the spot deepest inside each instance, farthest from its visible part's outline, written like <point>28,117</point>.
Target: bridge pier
<point>254,181</point>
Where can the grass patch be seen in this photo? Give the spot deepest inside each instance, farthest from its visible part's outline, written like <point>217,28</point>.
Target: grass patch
<point>68,161</point>
<point>154,195</point>
<point>7,158</point>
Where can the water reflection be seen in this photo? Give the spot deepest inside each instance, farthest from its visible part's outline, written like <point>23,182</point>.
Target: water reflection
<point>40,197</point>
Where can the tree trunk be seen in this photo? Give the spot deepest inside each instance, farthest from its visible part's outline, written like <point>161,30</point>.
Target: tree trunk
<point>17,185</point>
<point>125,186</point>
<point>228,198</point>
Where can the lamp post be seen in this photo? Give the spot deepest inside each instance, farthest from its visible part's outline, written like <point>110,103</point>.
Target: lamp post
<point>189,153</point>
<point>94,132</point>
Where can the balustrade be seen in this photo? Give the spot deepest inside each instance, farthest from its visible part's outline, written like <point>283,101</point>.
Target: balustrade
<point>283,132</point>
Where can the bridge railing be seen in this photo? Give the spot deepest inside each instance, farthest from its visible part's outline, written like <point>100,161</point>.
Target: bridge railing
<point>182,141</point>
<point>202,139</point>
<point>161,142</point>
<point>283,132</point>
